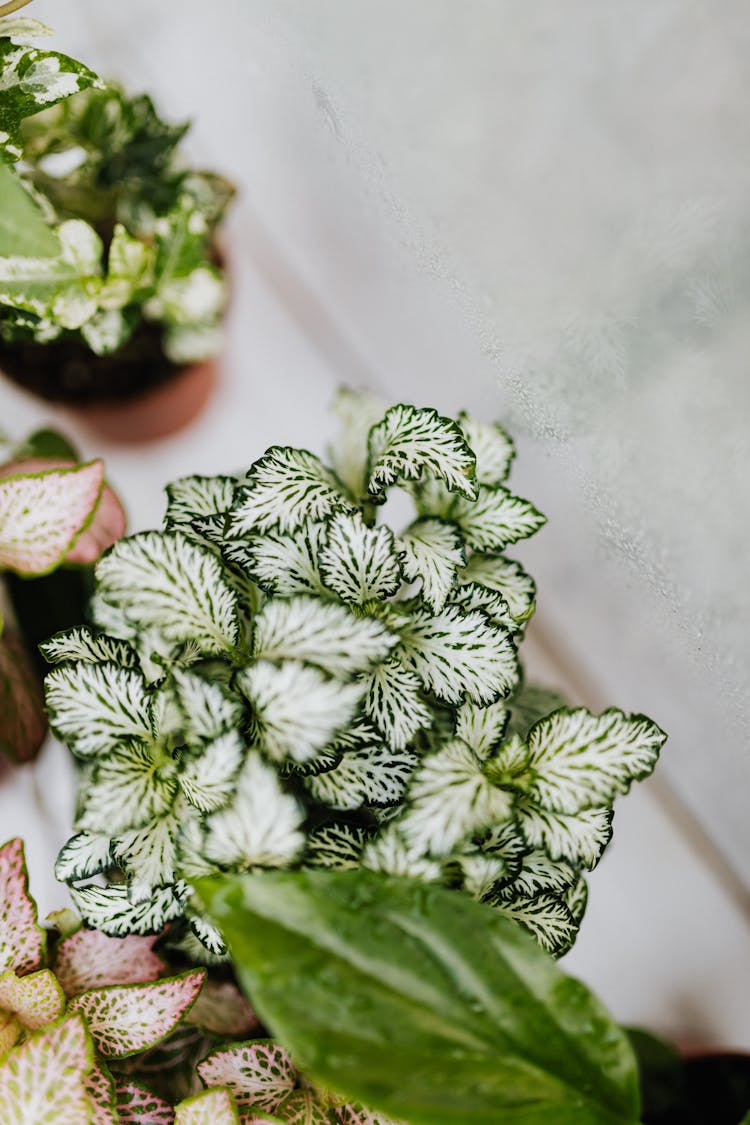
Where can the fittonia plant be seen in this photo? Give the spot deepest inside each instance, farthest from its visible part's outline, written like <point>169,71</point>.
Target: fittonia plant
<point>280,678</point>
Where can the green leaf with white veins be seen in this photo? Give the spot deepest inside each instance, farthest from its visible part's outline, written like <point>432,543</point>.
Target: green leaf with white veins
<point>85,855</point>
<point>371,776</point>
<point>578,837</point>
<point>394,703</point>
<point>470,595</point>
<point>130,266</point>
<point>285,488</point>
<point>130,786</point>
<point>207,708</point>
<point>359,563</point>
<point>163,580</point>
<point>191,498</point>
<point>43,1082</point>
<point>495,518</point>
<point>481,728</point>
<point>580,761</point>
<point>91,648</point>
<point>94,706</point>
<point>321,633</point>
<point>111,910</point>
<point>432,554</point>
<point>493,448</point>
<point>546,917</point>
<point>284,564</point>
<point>508,578</point>
<point>410,443</point>
<point>207,778</point>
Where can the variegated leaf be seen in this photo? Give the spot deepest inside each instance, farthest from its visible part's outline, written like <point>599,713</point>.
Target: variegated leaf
<point>492,447</point>
<point>547,918</point>
<point>582,761</point>
<point>338,846</point>
<point>576,898</point>
<point>207,777</point>
<point>10,1032</point>
<point>22,940</point>
<point>262,826</point>
<point>126,1019</point>
<point>260,1075</point>
<point>285,488</point>
<point>359,563</point>
<point>148,855</point>
<point>495,519</point>
<point>212,1107</point>
<point>459,655</point>
<point>374,775</point>
<point>208,709</point>
<point>470,595</point>
<point>508,578</point>
<point>209,939</point>
<point>93,648</point>
<point>137,1105</point>
<point>92,707</point>
<point>410,443</point>
<point>163,580</point>
<point>302,1107</point>
<point>531,704</point>
<point>190,498</point>
<point>393,701</point>
<point>481,728</point>
<point>43,1082</point>
<point>284,564</point>
<point>355,1114</point>
<point>34,1000</point>
<point>357,411</point>
<point>222,1009</point>
<point>320,633</point>
<point>578,837</point>
<point>450,800</point>
<point>130,787</point>
<point>20,27</point>
<point>297,709</point>
<point>85,855</point>
<point>393,855</point>
<point>111,910</point>
<point>432,553</point>
<point>89,959</point>
<point>42,514</point>
<point>539,873</point>
<point>100,1088</point>
<point>479,873</point>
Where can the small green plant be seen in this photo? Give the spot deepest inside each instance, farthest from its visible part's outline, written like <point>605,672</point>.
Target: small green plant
<point>281,679</point>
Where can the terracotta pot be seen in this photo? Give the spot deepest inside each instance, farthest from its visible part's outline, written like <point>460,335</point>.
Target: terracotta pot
<point>155,413</point>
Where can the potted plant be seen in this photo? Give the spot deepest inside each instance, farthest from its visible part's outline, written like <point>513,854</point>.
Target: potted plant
<point>111,284</point>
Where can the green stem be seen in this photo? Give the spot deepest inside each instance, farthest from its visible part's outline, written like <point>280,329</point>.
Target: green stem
<point>12,6</point>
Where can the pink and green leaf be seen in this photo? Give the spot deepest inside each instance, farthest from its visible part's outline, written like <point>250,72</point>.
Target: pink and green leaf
<point>126,1019</point>
<point>214,1107</point>
<point>222,1009</point>
<point>43,1082</point>
<point>42,514</point>
<point>137,1105</point>
<point>260,1075</point>
<point>89,959</point>
<point>24,722</point>
<point>353,1114</point>
<point>10,1033</point>
<point>35,1000</point>
<point>22,940</point>
<point>100,1087</point>
<point>301,1107</point>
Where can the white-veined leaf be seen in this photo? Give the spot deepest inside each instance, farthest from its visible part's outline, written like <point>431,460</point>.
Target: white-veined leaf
<point>374,775</point>
<point>359,563</point>
<point>85,855</point>
<point>576,898</point>
<point>285,488</point>
<point>262,826</point>
<point>508,578</point>
<point>22,940</point>
<point>509,763</point>
<point>111,910</point>
<point>470,596</point>
<point>148,855</point>
<point>42,514</point>
<point>207,709</point>
<point>132,785</point>
<point>162,580</point>
<point>191,498</point>
<point>208,936</point>
<point>297,709</point>
<point>410,443</point>
<point>390,853</point>
<point>260,1074</point>
<point>480,873</point>
<point>338,846</point>
<point>459,655</point>
<point>283,564</point>
<point>320,633</point>
<point>581,761</point>
<point>540,874</point>
<point>432,554</point>
<point>43,1081</point>
<point>492,447</point>
<point>495,519</point>
<point>93,648</point>
<point>481,728</point>
<point>92,707</point>
<point>547,918</point>
<point>393,702</point>
<point>207,777</point>
<point>450,800</point>
<point>302,1107</point>
<point>357,411</point>
<point>578,837</point>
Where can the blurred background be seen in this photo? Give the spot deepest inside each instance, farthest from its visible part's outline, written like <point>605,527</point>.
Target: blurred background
<point>540,213</point>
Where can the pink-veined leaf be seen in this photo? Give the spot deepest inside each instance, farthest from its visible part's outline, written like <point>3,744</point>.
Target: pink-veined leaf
<point>354,1114</point>
<point>22,941</point>
<point>136,1105</point>
<point>35,1000</point>
<point>214,1107</point>
<point>42,515</point>
<point>100,1087</point>
<point>222,1009</point>
<point>90,959</point>
<point>260,1075</point>
<point>43,1082</point>
<point>126,1019</point>
<point>23,722</point>
<point>301,1107</point>
<point>10,1032</point>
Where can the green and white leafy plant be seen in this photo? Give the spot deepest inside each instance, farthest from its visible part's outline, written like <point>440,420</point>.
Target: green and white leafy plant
<point>280,679</point>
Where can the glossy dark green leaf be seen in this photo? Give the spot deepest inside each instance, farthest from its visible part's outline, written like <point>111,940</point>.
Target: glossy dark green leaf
<point>422,1003</point>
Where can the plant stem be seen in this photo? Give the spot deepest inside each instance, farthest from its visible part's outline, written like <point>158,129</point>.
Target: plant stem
<point>12,6</point>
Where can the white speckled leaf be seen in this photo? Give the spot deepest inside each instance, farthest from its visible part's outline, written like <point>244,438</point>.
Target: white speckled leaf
<point>321,633</point>
<point>481,728</point>
<point>22,940</point>
<point>547,918</point>
<point>492,447</point>
<point>260,1075</point>
<point>21,27</point>
<point>410,443</point>
<point>130,787</point>
<point>89,959</point>
<point>208,709</point>
<point>285,488</point>
<point>357,411</point>
<point>470,595</point>
<point>284,564</point>
<point>65,289</point>
<point>43,1082</point>
<point>92,707</point>
<point>432,554</point>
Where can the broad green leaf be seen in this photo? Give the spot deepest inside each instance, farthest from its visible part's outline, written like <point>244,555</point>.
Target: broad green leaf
<point>111,910</point>
<point>374,775</point>
<point>42,514</point>
<point>481,728</point>
<point>93,707</point>
<point>410,443</point>
<point>508,578</point>
<point>297,709</point>
<point>459,655</point>
<point>357,412</point>
<point>43,1082</point>
<point>546,917</point>
<point>260,1075</point>
<point>578,837</point>
<point>89,959</point>
<point>190,498</point>
<point>127,1019</point>
<point>24,230</point>
<point>284,489</point>
<point>86,854</point>
<point>320,633</point>
<point>95,648</point>
<point>495,519</point>
<point>394,703</point>
<point>207,777</point>
<point>359,563</point>
<point>432,554</point>
<point>466,1019</point>
<point>34,1000</point>
<point>212,1107</point>
<point>492,447</point>
<point>580,761</point>
<point>22,940</point>
<point>284,564</point>
<point>162,580</point>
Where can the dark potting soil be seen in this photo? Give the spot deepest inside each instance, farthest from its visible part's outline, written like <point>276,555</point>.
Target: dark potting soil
<point>65,370</point>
